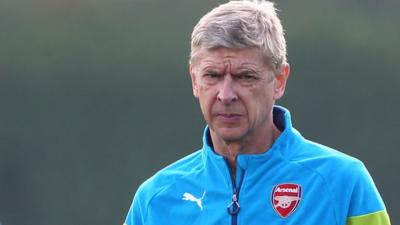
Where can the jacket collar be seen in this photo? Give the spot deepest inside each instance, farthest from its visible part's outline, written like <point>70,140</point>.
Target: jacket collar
<point>284,146</point>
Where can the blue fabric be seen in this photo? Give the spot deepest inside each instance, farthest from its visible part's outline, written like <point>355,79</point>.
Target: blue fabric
<point>334,186</point>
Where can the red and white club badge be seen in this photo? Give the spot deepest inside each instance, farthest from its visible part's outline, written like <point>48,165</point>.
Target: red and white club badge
<point>286,198</point>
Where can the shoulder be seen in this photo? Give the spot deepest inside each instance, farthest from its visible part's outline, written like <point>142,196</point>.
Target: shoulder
<point>343,174</point>
<point>159,182</point>
<point>337,169</point>
<point>169,175</point>
<point>345,178</point>
<point>323,159</point>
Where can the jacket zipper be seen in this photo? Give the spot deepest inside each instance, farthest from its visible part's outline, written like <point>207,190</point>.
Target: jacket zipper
<point>234,207</point>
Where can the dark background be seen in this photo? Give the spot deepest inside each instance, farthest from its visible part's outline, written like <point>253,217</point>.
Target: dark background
<point>95,97</point>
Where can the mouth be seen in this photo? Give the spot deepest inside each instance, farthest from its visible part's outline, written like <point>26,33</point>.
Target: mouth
<point>228,117</point>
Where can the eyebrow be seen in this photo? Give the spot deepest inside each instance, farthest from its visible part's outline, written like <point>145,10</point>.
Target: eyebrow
<point>212,66</point>
<point>247,72</point>
<point>242,69</point>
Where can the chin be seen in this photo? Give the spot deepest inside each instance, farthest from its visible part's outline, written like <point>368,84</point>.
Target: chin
<point>230,134</point>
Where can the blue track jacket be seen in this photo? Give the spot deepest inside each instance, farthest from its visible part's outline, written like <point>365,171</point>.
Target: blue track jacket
<point>296,182</point>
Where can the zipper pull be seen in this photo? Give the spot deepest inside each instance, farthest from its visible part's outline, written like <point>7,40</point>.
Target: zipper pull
<point>234,207</point>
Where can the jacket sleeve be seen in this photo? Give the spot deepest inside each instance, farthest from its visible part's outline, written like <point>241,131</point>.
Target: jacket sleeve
<point>366,205</point>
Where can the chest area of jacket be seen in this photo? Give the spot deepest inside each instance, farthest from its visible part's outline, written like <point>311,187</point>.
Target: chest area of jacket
<point>275,197</point>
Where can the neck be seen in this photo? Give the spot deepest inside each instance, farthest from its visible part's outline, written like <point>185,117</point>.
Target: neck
<point>253,143</point>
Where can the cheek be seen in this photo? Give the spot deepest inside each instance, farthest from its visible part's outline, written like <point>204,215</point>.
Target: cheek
<point>206,101</point>
<point>259,104</point>
<point>254,109</point>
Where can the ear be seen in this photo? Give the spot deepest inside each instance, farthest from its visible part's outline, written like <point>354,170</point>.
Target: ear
<point>195,84</point>
<point>280,81</point>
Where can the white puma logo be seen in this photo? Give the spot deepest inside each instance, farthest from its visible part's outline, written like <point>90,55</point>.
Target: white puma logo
<point>189,197</point>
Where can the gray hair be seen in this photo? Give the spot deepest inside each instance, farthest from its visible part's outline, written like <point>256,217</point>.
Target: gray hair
<point>242,24</point>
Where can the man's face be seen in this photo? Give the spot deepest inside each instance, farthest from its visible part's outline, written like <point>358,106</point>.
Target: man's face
<point>236,90</point>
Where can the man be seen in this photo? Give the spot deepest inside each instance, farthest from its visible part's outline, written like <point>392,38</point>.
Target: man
<point>254,167</point>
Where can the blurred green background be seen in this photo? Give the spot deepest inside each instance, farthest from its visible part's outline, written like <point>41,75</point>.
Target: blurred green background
<point>95,97</point>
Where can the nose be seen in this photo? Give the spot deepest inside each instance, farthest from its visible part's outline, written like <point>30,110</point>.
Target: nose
<point>227,93</point>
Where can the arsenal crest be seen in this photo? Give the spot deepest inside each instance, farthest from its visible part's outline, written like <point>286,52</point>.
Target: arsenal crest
<point>286,198</point>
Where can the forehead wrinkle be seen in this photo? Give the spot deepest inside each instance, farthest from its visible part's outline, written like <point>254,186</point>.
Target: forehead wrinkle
<point>210,64</point>
<point>250,65</point>
<point>224,64</point>
<point>229,62</point>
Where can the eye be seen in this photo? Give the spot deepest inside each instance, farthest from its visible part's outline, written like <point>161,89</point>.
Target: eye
<point>211,75</point>
<point>247,77</point>
<point>211,78</point>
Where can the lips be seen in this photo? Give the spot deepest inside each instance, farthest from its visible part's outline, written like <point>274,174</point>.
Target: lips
<point>228,117</point>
